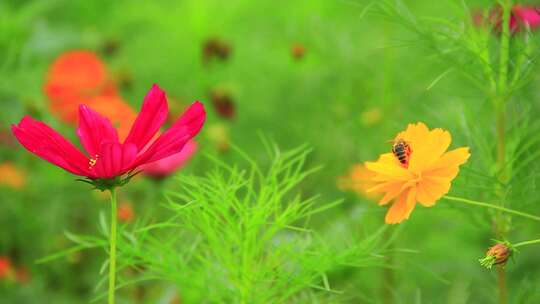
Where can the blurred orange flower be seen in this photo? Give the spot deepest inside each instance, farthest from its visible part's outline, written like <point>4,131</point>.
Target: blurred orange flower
<point>125,212</point>
<point>359,180</point>
<point>72,79</point>
<point>11,176</point>
<point>427,177</point>
<point>121,115</point>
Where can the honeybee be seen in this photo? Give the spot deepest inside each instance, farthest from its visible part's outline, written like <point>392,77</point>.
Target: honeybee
<point>402,150</point>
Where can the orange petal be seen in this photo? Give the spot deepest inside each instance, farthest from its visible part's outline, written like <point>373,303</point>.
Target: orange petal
<point>449,173</point>
<point>448,165</point>
<point>414,133</point>
<point>427,150</point>
<point>390,195</point>
<point>402,208</point>
<point>455,157</point>
<point>391,190</point>
<point>388,168</point>
<point>429,191</point>
<point>359,179</point>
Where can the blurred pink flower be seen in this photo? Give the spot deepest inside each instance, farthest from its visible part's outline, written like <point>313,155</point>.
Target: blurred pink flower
<point>525,16</point>
<point>106,157</point>
<point>521,17</point>
<point>169,165</point>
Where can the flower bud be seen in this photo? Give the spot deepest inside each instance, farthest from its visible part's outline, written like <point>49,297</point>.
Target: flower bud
<point>496,255</point>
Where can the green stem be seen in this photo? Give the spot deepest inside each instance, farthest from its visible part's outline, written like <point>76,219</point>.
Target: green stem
<point>501,95</point>
<point>500,106</point>
<point>112,250</point>
<point>526,243</point>
<point>501,275</point>
<point>505,47</point>
<point>388,282</point>
<point>492,206</point>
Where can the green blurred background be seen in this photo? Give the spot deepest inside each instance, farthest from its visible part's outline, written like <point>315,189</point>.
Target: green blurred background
<point>360,79</point>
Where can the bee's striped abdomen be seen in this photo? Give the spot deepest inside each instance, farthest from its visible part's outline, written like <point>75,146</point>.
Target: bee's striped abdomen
<point>402,151</point>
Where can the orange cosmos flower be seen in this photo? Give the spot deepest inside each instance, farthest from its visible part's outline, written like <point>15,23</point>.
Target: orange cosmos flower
<point>11,176</point>
<point>424,178</point>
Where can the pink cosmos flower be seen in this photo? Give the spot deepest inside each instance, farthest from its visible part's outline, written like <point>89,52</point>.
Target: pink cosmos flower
<point>107,159</point>
<point>169,165</point>
<point>525,16</point>
<point>521,17</point>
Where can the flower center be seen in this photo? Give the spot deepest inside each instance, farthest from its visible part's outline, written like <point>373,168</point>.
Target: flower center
<point>413,182</point>
<point>92,162</point>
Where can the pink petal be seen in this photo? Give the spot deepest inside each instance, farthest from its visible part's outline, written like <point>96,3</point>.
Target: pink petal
<point>173,140</point>
<point>153,114</point>
<point>527,15</point>
<point>114,159</point>
<point>94,129</point>
<point>48,144</point>
<point>193,118</point>
<point>170,164</point>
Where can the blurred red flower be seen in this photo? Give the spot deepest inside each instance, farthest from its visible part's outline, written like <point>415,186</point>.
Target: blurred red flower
<point>6,269</point>
<point>106,156</point>
<point>169,165</point>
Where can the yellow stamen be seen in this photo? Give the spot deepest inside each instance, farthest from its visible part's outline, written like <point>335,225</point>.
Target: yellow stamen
<point>92,162</point>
